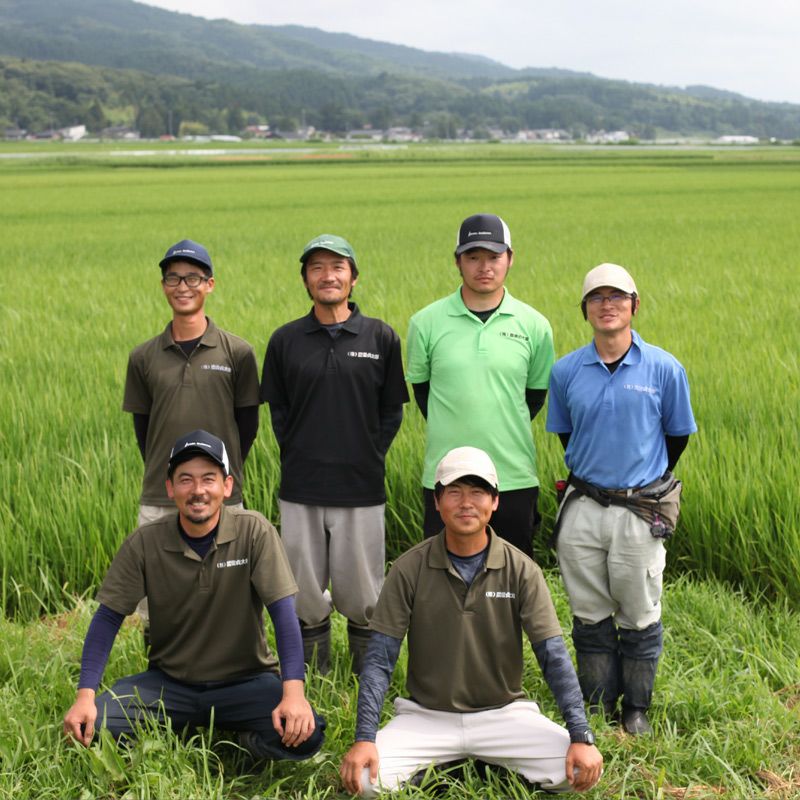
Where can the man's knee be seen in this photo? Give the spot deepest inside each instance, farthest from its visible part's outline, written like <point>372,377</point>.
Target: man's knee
<point>644,644</point>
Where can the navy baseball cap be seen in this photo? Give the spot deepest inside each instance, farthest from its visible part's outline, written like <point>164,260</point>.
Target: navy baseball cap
<point>187,250</point>
<point>483,230</point>
<point>199,443</point>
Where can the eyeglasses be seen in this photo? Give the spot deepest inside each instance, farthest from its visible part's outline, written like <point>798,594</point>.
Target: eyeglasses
<point>192,280</point>
<point>615,298</point>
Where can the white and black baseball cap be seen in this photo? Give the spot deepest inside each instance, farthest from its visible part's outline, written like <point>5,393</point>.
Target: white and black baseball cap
<point>199,443</point>
<point>187,250</point>
<point>483,230</point>
<point>463,461</point>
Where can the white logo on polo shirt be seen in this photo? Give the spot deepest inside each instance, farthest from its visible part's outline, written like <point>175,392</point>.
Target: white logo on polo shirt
<point>217,367</point>
<point>501,595</point>
<point>234,562</point>
<point>637,387</point>
<point>363,354</point>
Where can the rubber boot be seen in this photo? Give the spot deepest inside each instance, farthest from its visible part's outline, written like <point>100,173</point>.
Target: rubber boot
<point>638,679</point>
<point>597,656</point>
<point>640,650</point>
<point>358,639</point>
<point>317,646</point>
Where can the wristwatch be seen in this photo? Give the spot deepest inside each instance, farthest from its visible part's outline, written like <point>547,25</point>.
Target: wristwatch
<point>583,737</point>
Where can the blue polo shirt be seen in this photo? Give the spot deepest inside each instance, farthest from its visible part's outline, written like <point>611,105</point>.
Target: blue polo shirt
<point>617,421</point>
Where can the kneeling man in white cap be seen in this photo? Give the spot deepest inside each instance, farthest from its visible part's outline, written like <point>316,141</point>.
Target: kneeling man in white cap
<point>464,599</point>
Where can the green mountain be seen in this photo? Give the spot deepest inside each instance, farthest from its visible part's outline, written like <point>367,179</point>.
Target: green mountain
<point>120,61</point>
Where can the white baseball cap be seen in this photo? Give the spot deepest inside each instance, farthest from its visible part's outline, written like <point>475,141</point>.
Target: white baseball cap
<point>463,461</point>
<point>612,275</point>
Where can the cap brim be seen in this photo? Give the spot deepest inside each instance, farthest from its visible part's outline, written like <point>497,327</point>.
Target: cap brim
<point>188,259</point>
<point>188,453</point>
<point>495,247</point>
<point>343,253</point>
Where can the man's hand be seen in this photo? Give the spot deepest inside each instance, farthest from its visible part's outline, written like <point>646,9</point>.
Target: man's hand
<point>292,718</point>
<point>79,720</point>
<point>584,766</point>
<point>360,755</point>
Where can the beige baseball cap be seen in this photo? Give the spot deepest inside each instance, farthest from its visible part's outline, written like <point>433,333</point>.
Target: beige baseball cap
<point>464,461</point>
<point>612,275</point>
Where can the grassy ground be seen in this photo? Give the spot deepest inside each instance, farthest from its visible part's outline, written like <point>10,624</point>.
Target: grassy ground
<point>712,239</point>
<point>726,717</point>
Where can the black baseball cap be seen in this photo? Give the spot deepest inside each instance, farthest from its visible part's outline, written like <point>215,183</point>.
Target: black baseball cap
<point>483,230</point>
<point>199,443</point>
<point>187,250</point>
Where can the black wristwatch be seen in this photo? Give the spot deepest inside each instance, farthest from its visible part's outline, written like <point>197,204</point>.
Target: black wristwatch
<point>583,737</point>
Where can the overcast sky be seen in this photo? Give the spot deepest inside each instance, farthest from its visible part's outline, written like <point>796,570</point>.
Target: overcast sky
<point>748,47</point>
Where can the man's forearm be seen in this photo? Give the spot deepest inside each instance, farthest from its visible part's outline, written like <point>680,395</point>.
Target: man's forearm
<point>560,676</point>
<point>376,674</point>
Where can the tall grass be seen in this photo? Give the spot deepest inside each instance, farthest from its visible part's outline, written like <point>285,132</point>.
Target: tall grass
<point>711,238</point>
<point>726,715</point>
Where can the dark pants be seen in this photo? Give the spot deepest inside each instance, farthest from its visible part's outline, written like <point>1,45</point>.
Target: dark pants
<point>516,518</point>
<point>244,705</point>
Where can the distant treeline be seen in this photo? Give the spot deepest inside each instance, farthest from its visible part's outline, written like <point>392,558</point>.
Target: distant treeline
<point>37,95</point>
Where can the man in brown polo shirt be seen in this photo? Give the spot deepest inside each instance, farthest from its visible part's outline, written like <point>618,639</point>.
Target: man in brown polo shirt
<point>192,375</point>
<point>464,599</point>
<point>208,571</point>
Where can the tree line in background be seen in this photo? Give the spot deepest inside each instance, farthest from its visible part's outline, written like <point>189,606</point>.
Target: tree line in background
<point>38,95</point>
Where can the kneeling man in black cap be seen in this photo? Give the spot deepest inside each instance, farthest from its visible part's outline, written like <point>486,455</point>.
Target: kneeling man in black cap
<point>208,571</point>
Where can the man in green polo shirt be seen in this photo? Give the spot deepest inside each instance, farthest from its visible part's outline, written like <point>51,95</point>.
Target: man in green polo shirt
<point>464,598</point>
<point>505,347</point>
<point>208,571</point>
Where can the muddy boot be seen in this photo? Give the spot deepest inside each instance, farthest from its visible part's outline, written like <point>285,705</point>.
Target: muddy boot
<point>638,678</point>
<point>639,651</point>
<point>358,639</point>
<point>317,646</point>
<point>598,664</point>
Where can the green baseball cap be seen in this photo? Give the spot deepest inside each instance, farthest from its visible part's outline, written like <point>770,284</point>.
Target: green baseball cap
<point>327,241</point>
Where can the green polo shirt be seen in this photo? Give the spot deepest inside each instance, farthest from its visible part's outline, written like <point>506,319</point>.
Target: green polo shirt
<point>206,616</point>
<point>465,643</point>
<point>183,394</point>
<point>478,375</point>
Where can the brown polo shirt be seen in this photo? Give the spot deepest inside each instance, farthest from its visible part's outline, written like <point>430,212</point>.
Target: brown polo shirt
<point>206,616</point>
<point>465,643</point>
<point>183,394</point>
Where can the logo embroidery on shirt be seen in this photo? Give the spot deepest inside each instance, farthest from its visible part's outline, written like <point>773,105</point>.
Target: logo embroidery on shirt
<point>234,562</point>
<point>363,354</point>
<point>520,336</point>
<point>637,387</point>
<point>501,595</point>
<point>217,367</point>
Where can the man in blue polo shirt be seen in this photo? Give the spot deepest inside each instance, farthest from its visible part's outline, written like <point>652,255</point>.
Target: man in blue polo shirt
<point>621,408</point>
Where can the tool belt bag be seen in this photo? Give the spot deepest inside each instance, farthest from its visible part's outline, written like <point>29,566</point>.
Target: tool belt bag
<point>658,503</point>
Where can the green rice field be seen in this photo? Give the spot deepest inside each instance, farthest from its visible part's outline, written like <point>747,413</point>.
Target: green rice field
<point>712,238</point>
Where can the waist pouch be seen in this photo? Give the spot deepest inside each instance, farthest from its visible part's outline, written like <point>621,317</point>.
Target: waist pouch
<point>658,503</point>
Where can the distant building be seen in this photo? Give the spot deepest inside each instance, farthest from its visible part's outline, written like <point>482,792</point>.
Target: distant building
<point>15,134</point>
<point>72,133</point>
<point>119,132</point>
<point>364,135</point>
<point>608,137</point>
<point>542,135</point>
<point>736,140</point>
<point>400,134</point>
<point>258,132</point>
